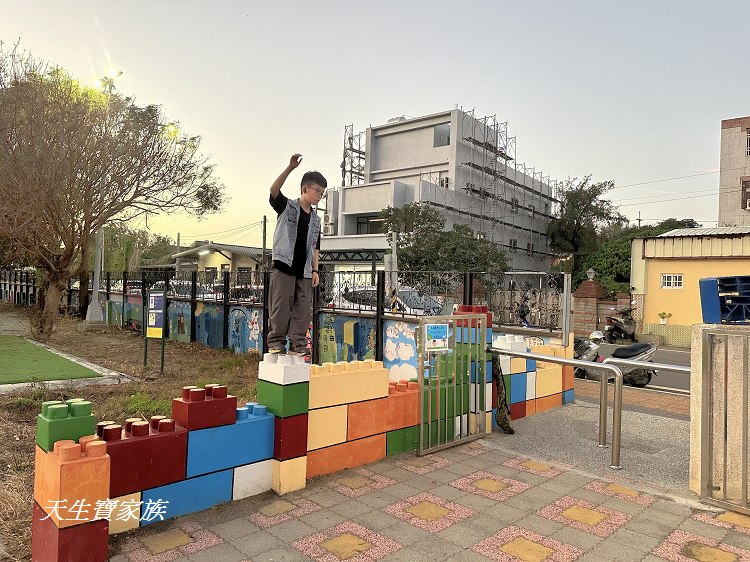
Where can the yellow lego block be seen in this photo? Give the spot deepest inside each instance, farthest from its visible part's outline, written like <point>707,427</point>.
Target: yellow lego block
<point>488,423</point>
<point>126,516</point>
<point>326,426</point>
<point>334,384</point>
<point>288,476</point>
<point>517,365</point>
<point>474,421</point>
<point>559,351</point>
<point>548,380</point>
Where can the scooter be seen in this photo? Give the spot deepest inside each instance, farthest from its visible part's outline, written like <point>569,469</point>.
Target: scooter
<point>587,350</point>
<point>634,376</point>
<point>620,328</point>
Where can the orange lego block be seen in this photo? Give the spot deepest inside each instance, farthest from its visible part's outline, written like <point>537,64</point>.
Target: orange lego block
<point>399,410</point>
<point>567,377</point>
<point>548,402</point>
<point>530,407</point>
<point>346,455</point>
<point>69,480</point>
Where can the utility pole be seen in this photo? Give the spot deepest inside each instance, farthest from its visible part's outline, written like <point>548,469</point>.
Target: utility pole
<point>94,311</point>
<point>639,219</point>
<point>264,243</point>
<point>177,260</point>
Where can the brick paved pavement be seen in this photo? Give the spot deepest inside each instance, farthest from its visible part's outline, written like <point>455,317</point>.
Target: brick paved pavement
<point>478,501</point>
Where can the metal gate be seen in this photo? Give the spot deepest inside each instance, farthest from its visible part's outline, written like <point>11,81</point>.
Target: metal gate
<point>455,380</point>
<point>724,423</point>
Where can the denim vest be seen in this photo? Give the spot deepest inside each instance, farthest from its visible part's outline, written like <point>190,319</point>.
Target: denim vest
<point>285,235</point>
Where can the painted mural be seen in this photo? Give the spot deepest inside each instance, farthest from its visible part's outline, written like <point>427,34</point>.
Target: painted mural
<point>245,329</point>
<point>345,338</point>
<point>209,323</point>
<point>400,349</point>
<point>179,316</point>
<point>133,312</point>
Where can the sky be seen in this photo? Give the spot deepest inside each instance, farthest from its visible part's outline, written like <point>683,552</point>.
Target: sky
<point>629,91</point>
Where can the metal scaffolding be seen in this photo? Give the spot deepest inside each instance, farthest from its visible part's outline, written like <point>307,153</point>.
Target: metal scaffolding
<point>353,164</point>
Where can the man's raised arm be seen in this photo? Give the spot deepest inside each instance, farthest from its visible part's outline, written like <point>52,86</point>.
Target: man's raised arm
<point>294,161</point>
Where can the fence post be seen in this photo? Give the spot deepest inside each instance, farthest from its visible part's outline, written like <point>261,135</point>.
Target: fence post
<point>225,327</point>
<point>193,298</point>
<point>266,287</point>
<point>379,320</point>
<point>314,331</point>
<point>144,301</point>
<point>468,287</point>
<point>124,298</point>
<point>165,320</point>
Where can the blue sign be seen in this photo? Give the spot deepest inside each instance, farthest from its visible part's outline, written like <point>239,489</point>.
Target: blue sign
<point>155,315</point>
<point>436,337</point>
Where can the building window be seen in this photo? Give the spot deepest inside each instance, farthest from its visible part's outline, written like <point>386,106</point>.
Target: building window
<point>745,200</point>
<point>513,244</point>
<point>532,211</point>
<point>442,135</point>
<point>747,143</point>
<point>529,249</point>
<point>211,274</point>
<point>369,225</point>
<point>514,206</point>
<point>671,280</point>
<point>443,182</point>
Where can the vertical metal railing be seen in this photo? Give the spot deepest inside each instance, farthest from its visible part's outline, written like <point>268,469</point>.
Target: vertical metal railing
<point>603,397</point>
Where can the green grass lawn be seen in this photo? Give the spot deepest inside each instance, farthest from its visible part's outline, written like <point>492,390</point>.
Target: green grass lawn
<point>21,361</point>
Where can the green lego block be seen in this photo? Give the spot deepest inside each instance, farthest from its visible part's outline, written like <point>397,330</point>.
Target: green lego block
<point>284,401</point>
<point>402,440</point>
<point>506,381</point>
<point>71,419</point>
<point>445,397</point>
<point>445,434</point>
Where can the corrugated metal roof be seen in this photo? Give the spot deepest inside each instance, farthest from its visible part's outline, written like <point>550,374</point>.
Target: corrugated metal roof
<point>716,231</point>
<point>234,248</point>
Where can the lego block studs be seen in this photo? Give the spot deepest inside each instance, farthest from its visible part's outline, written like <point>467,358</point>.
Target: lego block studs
<point>64,420</point>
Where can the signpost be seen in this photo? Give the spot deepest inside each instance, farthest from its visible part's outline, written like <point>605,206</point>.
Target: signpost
<point>156,314</point>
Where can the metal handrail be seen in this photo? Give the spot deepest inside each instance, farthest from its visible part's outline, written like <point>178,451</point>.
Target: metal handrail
<point>647,365</point>
<point>617,399</point>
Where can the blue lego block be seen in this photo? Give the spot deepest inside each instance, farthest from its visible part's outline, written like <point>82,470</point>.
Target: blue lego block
<point>710,301</point>
<point>248,440</point>
<point>487,372</point>
<point>530,365</point>
<point>518,388</point>
<point>494,419</point>
<point>567,396</point>
<point>188,496</point>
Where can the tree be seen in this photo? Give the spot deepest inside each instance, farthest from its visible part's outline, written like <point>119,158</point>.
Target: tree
<point>582,215</point>
<point>423,245</point>
<point>75,159</point>
<point>611,261</point>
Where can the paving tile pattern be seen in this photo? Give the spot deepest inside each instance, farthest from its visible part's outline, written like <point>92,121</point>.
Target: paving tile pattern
<point>470,503</point>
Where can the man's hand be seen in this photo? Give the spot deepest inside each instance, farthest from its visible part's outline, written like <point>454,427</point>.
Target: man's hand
<point>294,161</point>
<point>315,279</point>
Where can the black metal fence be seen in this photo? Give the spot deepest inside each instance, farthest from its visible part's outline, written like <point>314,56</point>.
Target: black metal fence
<point>368,294</point>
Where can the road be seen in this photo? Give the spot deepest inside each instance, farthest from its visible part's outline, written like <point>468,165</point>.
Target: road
<point>665,379</point>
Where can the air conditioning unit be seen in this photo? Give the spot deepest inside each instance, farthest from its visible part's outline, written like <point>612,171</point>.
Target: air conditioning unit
<point>329,230</point>
<point>328,218</point>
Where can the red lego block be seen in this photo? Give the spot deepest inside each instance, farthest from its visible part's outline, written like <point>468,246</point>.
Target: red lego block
<point>199,408</point>
<point>290,437</point>
<point>145,455</point>
<point>518,411</point>
<point>89,541</point>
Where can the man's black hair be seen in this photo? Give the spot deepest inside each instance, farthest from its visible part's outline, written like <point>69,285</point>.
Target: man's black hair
<point>313,177</point>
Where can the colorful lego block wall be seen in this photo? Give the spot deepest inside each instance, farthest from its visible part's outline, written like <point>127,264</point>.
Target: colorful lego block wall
<point>532,387</point>
<point>96,479</point>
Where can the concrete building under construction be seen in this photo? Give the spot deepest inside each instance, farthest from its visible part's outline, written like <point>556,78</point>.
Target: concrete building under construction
<point>454,161</point>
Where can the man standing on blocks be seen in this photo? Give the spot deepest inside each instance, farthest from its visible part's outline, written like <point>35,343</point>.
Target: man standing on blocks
<point>296,246</point>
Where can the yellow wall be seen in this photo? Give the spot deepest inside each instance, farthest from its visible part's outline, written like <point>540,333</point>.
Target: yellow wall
<point>684,304</point>
<point>215,259</point>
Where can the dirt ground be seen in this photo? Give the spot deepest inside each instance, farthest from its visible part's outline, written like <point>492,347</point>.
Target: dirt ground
<point>151,393</point>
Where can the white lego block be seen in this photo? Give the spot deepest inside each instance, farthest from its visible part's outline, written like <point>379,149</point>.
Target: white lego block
<point>487,397</point>
<point>531,385</point>
<point>461,426</point>
<point>283,369</point>
<point>252,479</point>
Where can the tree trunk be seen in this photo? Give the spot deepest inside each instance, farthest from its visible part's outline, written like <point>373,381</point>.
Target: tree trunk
<point>46,319</point>
<point>83,294</point>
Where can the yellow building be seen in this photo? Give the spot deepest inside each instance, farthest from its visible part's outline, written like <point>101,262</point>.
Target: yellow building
<point>665,271</point>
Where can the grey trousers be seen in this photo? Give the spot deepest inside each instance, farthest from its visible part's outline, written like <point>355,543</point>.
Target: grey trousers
<point>290,304</point>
